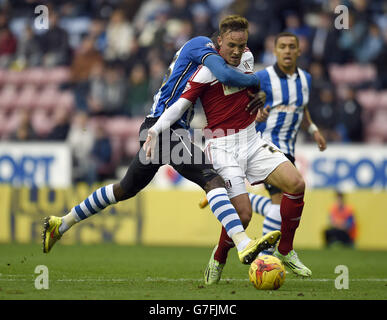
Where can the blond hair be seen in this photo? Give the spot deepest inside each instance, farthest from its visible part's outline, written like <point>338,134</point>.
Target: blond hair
<point>233,23</point>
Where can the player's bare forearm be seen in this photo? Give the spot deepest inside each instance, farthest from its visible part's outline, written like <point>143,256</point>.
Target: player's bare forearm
<point>306,120</point>
<point>313,130</point>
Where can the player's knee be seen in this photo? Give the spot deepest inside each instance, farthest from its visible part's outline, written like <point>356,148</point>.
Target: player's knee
<point>299,185</point>
<point>216,182</point>
<point>295,185</point>
<point>121,193</point>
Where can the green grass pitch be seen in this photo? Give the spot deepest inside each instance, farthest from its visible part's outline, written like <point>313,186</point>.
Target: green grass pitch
<point>109,271</point>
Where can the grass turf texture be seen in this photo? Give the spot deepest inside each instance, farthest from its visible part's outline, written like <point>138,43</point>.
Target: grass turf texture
<point>109,271</point>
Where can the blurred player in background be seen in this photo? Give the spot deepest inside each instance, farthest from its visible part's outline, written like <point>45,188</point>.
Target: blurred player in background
<point>237,151</point>
<point>197,51</point>
<point>287,90</point>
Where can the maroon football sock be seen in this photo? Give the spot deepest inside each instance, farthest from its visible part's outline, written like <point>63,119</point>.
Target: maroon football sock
<point>291,210</point>
<point>224,245</point>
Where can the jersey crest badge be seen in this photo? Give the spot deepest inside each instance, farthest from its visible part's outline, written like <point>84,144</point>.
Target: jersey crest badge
<point>228,184</point>
<point>210,45</point>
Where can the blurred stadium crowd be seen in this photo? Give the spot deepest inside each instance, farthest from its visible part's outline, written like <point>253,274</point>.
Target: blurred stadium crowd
<point>100,62</point>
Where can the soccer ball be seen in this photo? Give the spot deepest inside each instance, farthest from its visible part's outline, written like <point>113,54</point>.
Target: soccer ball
<point>267,273</point>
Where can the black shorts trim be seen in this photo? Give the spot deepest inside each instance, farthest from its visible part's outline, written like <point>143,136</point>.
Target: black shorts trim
<point>174,147</point>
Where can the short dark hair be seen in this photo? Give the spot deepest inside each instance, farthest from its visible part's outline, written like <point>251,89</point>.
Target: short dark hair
<point>233,23</point>
<point>286,34</point>
<point>214,39</point>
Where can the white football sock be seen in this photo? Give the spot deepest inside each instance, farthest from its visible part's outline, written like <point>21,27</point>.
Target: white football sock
<point>241,240</point>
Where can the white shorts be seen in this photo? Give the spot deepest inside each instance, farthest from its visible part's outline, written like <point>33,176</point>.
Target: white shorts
<point>243,155</point>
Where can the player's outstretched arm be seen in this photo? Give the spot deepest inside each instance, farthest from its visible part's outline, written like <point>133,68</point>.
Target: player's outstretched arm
<point>227,75</point>
<point>171,115</point>
<point>166,120</point>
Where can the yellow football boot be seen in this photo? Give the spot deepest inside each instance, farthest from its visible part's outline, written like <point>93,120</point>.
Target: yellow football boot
<point>51,233</point>
<point>214,269</point>
<point>293,262</point>
<point>248,254</point>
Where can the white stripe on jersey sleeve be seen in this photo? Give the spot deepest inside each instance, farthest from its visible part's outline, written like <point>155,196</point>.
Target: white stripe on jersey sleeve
<point>305,87</point>
<point>275,86</point>
<point>247,62</point>
<point>203,75</point>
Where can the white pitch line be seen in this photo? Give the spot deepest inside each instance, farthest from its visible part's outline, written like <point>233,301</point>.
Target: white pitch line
<point>21,277</point>
<point>292,279</point>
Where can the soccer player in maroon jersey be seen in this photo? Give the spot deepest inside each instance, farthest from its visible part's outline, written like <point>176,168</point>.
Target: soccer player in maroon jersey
<point>232,144</point>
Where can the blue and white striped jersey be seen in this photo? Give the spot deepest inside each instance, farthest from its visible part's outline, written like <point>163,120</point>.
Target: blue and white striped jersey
<point>287,96</point>
<point>183,65</point>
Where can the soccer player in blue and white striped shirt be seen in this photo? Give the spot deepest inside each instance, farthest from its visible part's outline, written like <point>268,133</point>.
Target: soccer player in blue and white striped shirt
<point>287,90</point>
